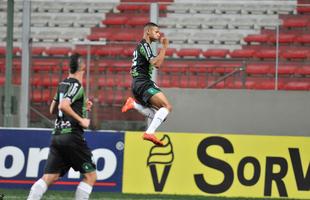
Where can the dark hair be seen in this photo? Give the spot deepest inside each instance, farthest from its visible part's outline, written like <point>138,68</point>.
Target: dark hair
<point>150,24</point>
<point>74,63</point>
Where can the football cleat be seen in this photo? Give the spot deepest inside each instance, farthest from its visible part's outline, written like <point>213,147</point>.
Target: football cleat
<point>128,105</point>
<point>152,138</point>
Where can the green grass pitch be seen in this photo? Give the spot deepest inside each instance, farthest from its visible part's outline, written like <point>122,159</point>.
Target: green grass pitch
<point>10,194</point>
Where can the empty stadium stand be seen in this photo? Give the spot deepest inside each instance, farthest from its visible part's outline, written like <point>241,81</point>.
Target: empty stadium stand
<point>213,44</point>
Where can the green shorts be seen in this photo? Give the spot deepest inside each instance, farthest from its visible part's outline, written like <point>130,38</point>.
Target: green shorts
<point>66,151</point>
<point>143,89</point>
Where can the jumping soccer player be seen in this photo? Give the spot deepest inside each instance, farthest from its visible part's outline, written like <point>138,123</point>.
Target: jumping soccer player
<point>68,147</point>
<point>148,99</point>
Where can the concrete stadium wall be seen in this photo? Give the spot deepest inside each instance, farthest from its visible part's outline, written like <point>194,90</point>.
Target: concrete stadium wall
<point>239,111</point>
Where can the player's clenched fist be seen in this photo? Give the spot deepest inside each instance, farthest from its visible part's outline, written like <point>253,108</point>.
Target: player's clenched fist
<point>85,122</point>
<point>165,42</point>
<point>89,105</point>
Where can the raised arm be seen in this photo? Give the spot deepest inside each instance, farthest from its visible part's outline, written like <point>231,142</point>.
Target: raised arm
<point>159,59</point>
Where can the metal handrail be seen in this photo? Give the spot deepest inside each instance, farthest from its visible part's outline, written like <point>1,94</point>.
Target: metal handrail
<point>239,69</point>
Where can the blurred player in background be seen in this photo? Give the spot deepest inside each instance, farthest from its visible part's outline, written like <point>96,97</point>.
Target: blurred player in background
<point>148,98</point>
<point>68,147</point>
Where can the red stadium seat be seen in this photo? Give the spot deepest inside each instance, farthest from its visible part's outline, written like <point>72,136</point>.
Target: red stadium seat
<point>82,50</point>
<point>46,96</point>
<point>283,38</point>
<point>295,54</point>
<point>36,51</point>
<point>51,80</point>
<point>297,85</point>
<point>269,84</point>
<point>99,35</point>
<point>169,52</point>
<point>40,96</point>
<point>2,80</point>
<point>266,53</point>
<point>258,68</point>
<point>303,9</point>
<point>201,68</point>
<point>128,51</point>
<point>189,52</point>
<point>304,38</point>
<point>295,22</point>
<point>35,80</point>
<point>178,65</point>
<point>107,81</point>
<point>138,20</point>
<point>128,7</point>
<point>249,84</point>
<point>115,20</point>
<point>36,96</point>
<point>125,36</point>
<point>242,53</point>
<point>121,65</point>
<point>163,81</point>
<point>64,51</point>
<point>16,50</point>
<point>285,69</point>
<point>110,50</point>
<point>261,38</point>
<point>138,7</point>
<point>221,53</point>
<point>227,68</point>
<point>2,50</point>
<point>304,70</point>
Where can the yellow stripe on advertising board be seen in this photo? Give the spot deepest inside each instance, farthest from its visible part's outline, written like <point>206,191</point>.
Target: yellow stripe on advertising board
<point>218,165</point>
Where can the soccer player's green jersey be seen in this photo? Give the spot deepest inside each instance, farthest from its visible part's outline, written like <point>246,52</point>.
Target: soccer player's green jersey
<point>70,89</point>
<point>141,66</point>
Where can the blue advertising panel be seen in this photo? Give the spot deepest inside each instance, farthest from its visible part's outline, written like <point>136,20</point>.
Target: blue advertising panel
<point>23,154</point>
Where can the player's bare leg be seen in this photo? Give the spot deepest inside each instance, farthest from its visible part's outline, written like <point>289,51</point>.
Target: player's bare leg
<point>132,104</point>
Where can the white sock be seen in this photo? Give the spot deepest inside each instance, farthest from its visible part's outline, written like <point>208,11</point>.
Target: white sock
<point>159,117</point>
<point>148,112</point>
<point>83,191</point>
<point>37,190</point>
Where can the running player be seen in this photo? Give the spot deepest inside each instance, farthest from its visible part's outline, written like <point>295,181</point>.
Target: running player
<point>148,99</point>
<point>68,147</point>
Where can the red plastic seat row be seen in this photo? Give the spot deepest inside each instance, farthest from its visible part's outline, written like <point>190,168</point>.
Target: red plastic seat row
<point>115,81</point>
<point>283,38</point>
<point>299,22</point>
<point>41,50</point>
<point>250,83</point>
<point>287,54</point>
<point>303,9</point>
<point>41,96</point>
<point>2,80</point>
<point>126,20</point>
<point>138,7</point>
<point>16,50</point>
<point>113,96</point>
